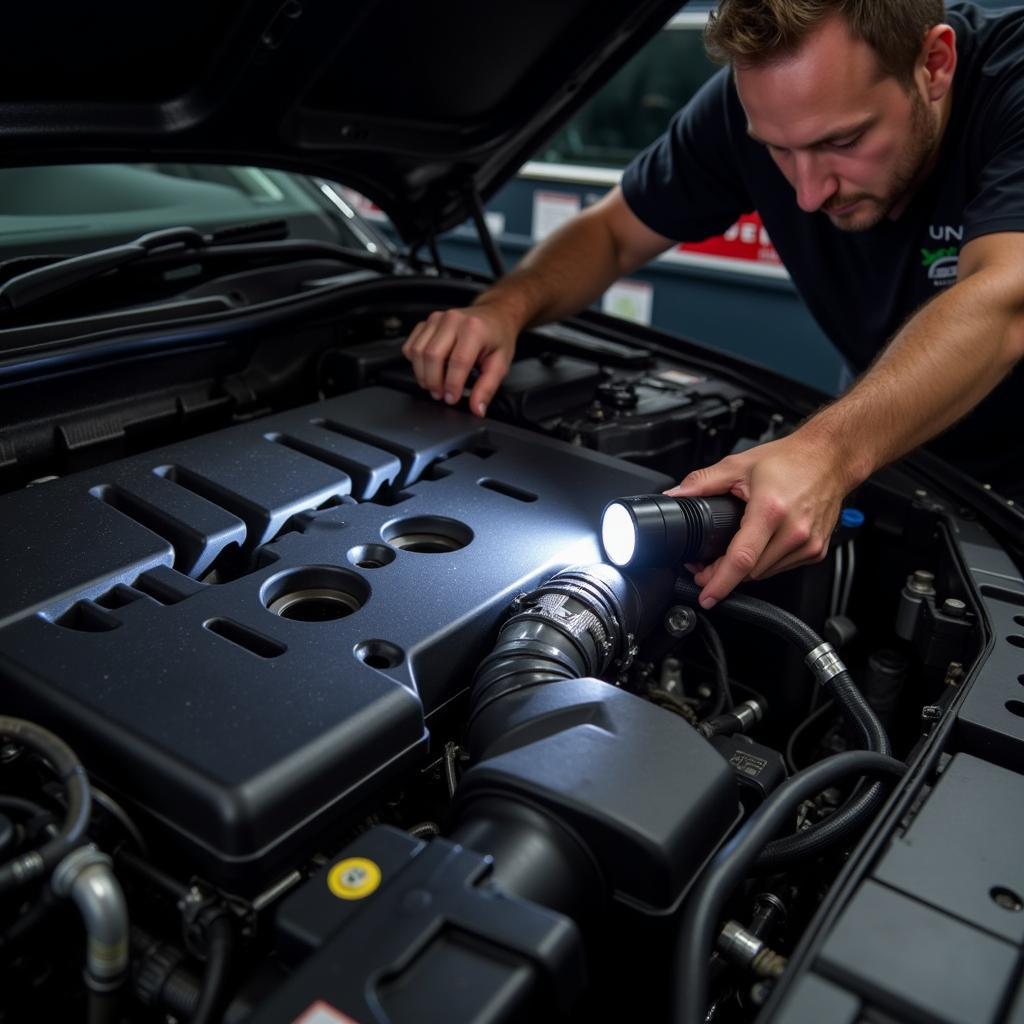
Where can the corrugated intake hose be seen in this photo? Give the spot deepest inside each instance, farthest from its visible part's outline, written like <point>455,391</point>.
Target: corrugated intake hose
<point>857,811</point>
<point>575,625</point>
<point>69,770</point>
<point>703,909</point>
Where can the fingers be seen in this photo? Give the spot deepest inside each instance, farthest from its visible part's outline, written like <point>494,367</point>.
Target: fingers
<point>444,348</point>
<point>462,357</point>
<point>493,368</point>
<point>793,493</point>
<point>727,476</point>
<point>813,551</point>
<point>451,353</point>
<point>718,579</point>
<point>427,348</point>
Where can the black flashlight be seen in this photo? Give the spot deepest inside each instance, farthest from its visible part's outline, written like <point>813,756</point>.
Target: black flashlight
<point>656,530</point>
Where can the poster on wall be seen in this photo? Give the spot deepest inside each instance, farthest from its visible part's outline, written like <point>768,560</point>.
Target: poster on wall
<point>745,246</point>
<point>630,300</point>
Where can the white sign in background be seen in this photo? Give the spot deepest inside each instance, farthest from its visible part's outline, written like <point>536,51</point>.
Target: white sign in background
<point>630,300</point>
<point>551,210</point>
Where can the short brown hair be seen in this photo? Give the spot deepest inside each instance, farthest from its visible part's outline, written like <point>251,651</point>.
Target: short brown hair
<point>752,32</point>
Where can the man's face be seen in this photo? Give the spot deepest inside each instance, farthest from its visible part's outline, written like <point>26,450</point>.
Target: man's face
<point>852,142</point>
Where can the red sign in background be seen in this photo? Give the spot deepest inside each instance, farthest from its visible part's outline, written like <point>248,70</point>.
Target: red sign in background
<point>745,240</point>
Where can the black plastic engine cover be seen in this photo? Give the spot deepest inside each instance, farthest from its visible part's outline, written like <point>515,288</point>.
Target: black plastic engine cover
<point>134,614</point>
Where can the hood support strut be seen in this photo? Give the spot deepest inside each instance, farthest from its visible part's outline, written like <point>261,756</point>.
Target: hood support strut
<point>484,233</point>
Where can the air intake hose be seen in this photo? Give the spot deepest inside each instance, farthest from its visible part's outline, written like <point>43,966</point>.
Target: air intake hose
<point>573,627</point>
<point>576,625</point>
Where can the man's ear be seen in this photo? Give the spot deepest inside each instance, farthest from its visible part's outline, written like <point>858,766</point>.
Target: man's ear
<point>937,62</point>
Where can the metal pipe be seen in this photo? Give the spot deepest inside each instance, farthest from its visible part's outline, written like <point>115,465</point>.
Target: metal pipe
<point>86,876</point>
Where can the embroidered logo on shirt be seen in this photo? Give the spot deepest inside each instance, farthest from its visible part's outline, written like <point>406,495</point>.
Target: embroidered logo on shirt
<point>941,264</point>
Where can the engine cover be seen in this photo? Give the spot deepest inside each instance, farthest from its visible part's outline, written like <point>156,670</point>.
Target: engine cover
<point>247,633</point>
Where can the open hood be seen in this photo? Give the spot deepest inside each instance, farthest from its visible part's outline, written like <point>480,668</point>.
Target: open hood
<point>417,105</point>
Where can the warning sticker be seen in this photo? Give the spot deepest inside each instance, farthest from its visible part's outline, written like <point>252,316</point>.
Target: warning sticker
<point>323,1013</point>
<point>353,878</point>
<point>749,764</point>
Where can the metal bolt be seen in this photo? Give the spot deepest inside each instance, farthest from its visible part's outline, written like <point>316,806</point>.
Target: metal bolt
<point>680,621</point>
<point>769,964</point>
<point>671,678</point>
<point>922,582</point>
<point>954,607</point>
<point>1007,899</point>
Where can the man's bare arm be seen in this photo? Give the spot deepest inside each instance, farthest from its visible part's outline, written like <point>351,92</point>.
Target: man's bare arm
<point>561,276</point>
<point>944,361</point>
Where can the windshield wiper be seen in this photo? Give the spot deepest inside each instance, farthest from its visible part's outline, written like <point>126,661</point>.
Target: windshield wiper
<point>45,282</point>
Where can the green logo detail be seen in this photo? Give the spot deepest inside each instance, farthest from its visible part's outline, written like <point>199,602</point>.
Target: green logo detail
<point>930,256</point>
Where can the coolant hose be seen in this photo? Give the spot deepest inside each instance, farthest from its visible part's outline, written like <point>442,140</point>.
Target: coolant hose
<point>69,770</point>
<point>703,910</point>
<point>855,813</point>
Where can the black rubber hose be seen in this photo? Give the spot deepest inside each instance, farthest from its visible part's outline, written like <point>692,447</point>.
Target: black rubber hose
<point>855,813</point>
<point>69,770</point>
<point>756,612</point>
<point>103,1008</point>
<point>703,910</point>
<point>713,643</point>
<point>220,947</point>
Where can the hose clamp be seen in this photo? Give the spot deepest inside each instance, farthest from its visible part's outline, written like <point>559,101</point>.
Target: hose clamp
<point>68,871</point>
<point>824,663</point>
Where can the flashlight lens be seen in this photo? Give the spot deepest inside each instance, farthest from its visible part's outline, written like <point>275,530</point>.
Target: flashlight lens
<point>618,534</point>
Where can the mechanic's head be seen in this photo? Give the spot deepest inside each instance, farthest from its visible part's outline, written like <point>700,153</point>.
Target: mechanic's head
<point>850,96</point>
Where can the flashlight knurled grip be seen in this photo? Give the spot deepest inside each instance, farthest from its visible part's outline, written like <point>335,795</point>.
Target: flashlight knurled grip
<point>723,515</point>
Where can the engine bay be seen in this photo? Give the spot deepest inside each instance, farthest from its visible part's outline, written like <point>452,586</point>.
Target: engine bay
<point>368,723</point>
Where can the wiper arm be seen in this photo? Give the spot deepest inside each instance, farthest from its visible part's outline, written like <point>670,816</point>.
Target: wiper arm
<point>45,282</point>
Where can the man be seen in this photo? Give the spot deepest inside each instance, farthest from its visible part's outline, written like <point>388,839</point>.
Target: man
<point>882,142</point>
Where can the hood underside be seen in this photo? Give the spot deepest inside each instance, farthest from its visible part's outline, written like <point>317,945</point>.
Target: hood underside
<point>416,105</point>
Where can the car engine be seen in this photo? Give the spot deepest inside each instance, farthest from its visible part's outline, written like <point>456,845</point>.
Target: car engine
<point>322,705</point>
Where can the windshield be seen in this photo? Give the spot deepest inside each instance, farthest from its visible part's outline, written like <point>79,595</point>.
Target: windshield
<point>73,209</point>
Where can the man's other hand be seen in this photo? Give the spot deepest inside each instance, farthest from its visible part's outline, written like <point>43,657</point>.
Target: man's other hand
<point>445,347</point>
<point>793,490</point>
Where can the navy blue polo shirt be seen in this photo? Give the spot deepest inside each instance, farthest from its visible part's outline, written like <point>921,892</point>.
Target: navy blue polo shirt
<point>706,171</point>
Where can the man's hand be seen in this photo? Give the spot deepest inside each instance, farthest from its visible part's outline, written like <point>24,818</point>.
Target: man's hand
<point>447,345</point>
<point>561,276</point>
<point>793,488</point>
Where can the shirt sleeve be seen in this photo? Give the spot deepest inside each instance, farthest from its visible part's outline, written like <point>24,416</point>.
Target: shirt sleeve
<point>998,200</point>
<point>687,184</point>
